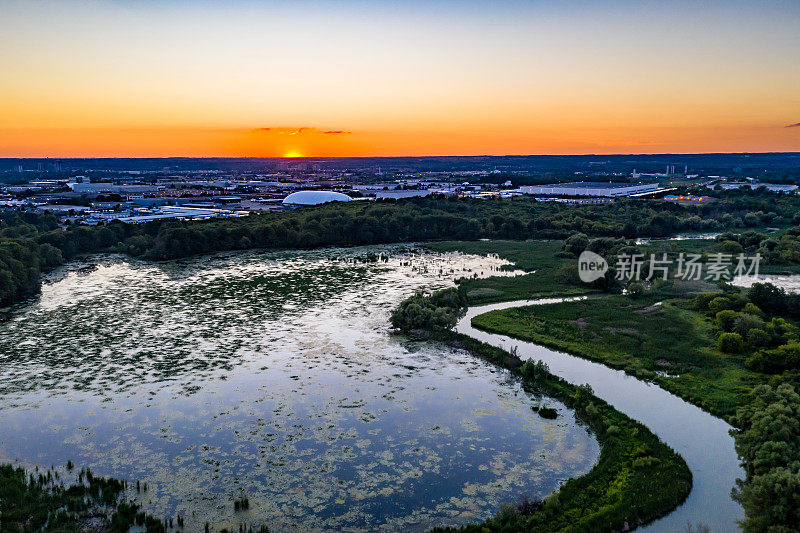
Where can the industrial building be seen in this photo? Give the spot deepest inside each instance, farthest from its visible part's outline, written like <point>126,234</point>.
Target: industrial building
<point>771,187</point>
<point>169,211</point>
<point>596,189</point>
<point>113,188</point>
<point>399,194</point>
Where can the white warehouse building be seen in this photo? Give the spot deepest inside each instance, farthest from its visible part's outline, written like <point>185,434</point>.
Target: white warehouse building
<point>587,188</point>
<point>407,193</point>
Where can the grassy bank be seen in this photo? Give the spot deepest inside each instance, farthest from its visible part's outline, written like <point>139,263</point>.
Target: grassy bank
<point>660,336</point>
<point>731,352</point>
<point>547,274</point>
<point>751,382</point>
<point>661,341</point>
<point>637,478</point>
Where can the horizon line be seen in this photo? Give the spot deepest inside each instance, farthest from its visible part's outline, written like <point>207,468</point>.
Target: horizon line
<point>586,154</point>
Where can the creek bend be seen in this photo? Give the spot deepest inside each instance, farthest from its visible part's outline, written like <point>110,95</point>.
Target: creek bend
<point>699,437</point>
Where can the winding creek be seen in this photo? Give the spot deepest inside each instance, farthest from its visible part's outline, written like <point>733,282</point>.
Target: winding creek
<point>702,439</point>
<point>275,376</point>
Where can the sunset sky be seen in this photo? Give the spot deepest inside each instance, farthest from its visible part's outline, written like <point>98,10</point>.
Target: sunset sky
<point>340,78</point>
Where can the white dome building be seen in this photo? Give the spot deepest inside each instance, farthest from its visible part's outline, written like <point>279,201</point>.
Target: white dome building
<point>302,198</point>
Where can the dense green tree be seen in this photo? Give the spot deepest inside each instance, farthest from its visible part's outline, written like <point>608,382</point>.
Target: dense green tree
<point>768,441</point>
<point>726,319</point>
<point>730,343</point>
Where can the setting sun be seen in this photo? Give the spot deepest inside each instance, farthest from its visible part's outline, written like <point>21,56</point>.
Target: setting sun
<point>292,153</point>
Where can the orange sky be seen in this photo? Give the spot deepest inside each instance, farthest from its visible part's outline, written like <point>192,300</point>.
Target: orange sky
<point>201,142</point>
<point>319,78</point>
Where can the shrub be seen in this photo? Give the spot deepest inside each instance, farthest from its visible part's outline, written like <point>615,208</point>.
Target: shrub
<point>730,343</point>
<point>751,219</point>
<point>636,289</point>
<point>702,300</point>
<point>548,412</point>
<point>576,243</point>
<point>743,323</point>
<point>727,319</point>
<point>752,309</point>
<point>757,338</point>
<point>768,297</point>
<point>779,331</point>
<point>528,506</point>
<point>720,303</point>
<point>786,357</point>
<point>767,443</point>
<point>731,247</point>
<point>534,370</point>
<point>419,312</point>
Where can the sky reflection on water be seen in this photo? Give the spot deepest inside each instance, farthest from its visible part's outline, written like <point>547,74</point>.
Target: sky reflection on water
<point>274,375</point>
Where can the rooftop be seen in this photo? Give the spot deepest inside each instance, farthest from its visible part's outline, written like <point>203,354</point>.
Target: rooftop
<point>589,185</point>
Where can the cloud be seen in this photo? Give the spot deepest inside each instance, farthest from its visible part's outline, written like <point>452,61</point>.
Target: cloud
<point>795,125</point>
<point>305,130</point>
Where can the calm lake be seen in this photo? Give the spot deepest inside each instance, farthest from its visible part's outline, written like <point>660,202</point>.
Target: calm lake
<point>275,376</point>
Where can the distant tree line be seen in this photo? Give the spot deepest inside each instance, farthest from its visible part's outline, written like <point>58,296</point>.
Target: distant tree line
<point>31,244</point>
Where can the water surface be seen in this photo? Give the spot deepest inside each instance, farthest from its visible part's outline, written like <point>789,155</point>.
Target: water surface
<point>788,282</point>
<point>275,376</point>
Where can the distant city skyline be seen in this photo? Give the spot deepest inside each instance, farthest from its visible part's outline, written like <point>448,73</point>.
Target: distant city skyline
<point>111,78</point>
